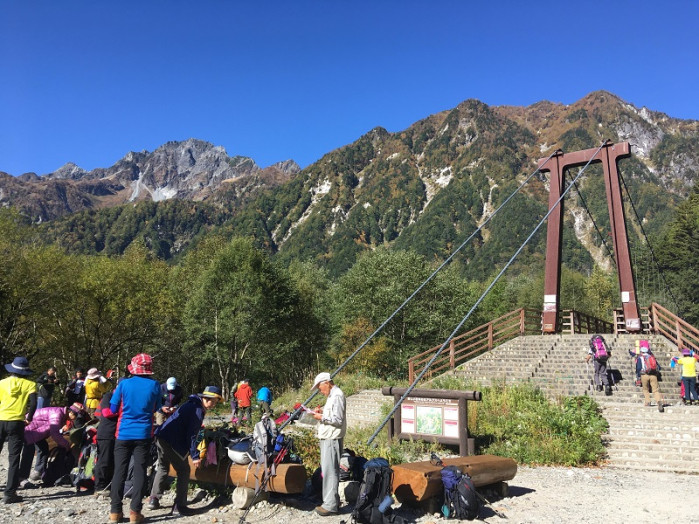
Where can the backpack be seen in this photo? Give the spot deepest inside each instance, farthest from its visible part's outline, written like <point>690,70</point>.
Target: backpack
<point>649,364</point>
<point>373,504</point>
<point>599,348</point>
<point>460,498</point>
<point>351,466</point>
<point>264,436</point>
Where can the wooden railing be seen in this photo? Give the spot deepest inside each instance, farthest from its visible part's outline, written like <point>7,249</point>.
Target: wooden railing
<point>672,327</point>
<point>571,321</point>
<point>479,340</point>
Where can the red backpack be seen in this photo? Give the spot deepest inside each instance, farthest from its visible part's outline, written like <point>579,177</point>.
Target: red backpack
<point>649,364</point>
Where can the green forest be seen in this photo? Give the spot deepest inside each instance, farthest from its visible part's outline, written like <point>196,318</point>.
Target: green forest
<point>229,308</point>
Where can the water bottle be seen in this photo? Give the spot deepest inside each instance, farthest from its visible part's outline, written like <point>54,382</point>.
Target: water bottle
<point>385,503</point>
<point>279,443</point>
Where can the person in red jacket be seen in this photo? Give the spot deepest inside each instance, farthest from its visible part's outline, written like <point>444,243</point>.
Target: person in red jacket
<point>244,397</point>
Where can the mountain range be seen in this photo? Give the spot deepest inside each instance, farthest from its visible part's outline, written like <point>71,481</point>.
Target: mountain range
<point>426,188</point>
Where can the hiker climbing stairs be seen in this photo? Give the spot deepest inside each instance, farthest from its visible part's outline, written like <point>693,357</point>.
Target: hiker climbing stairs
<point>638,437</point>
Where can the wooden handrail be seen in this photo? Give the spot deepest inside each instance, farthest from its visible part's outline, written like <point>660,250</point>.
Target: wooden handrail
<point>491,334</point>
<point>680,333</point>
<point>478,340</point>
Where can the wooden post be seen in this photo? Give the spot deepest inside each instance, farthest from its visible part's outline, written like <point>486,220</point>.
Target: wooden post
<point>490,335</point>
<point>411,371</point>
<point>452,358</point>
<point>521,321</point>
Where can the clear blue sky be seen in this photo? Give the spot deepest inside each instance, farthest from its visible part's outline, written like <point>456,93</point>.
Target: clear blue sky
<point>89,81</point>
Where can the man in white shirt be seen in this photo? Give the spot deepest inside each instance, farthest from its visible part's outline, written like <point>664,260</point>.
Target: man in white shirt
<point>332,426</point>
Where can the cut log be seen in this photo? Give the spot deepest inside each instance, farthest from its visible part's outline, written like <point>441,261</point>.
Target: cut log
<point>290,478</point>
<point>418,481</point>
<point>243,497</point>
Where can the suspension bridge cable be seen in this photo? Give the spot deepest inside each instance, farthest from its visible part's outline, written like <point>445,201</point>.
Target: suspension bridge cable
<point>650,247</point>
<point>296,413</point>
<point>584,204</point>
<point>480,299</point>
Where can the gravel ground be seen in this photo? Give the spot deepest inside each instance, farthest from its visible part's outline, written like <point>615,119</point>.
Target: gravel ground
<point>536,495</point>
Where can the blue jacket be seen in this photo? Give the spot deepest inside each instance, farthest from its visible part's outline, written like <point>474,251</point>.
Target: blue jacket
<point>135,399</point>
<point>264,395</point>
<point>181,429</point>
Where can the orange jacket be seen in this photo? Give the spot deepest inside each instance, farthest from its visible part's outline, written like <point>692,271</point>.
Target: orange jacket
<point>243,395</point>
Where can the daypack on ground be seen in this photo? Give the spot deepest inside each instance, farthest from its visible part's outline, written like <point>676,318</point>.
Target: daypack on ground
<point>599,348</point>
<point>351,466</point>
<point>460,498</point>
<point>373,504</point>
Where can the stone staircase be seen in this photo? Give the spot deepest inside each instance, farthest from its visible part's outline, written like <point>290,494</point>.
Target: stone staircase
<point>365,408</point>
<point>639,437</point>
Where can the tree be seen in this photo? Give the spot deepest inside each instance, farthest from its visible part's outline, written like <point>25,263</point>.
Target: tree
<point>245,319</point>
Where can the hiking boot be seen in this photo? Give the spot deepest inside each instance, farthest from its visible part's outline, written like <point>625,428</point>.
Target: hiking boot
<point>181,511</point>
<point>600,387</point>
<point>11,498</point>
<point>661,408</point>
<point>26,484</point>
<point>608,391</point>
<point>320,510</point>
<point>35,475</point>
<point>136,516</point>
<point>115,517</point>
<point>153,503</point>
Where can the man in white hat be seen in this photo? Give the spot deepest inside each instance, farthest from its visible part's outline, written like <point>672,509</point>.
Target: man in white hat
<point>332,426</point>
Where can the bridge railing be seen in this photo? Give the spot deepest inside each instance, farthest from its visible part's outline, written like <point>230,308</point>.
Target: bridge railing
<point>571,321</point>
<point>672,327</point>
<point>479,340</point>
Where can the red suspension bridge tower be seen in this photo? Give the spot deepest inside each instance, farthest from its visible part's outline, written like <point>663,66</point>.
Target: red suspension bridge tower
<point>608,155</point>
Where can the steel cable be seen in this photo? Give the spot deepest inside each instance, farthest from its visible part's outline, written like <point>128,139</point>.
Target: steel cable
<point>480,299</point>
<point>296,413</point>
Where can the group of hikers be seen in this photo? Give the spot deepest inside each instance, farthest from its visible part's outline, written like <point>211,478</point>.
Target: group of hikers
<point>129,416</point>
<point>647,371</point>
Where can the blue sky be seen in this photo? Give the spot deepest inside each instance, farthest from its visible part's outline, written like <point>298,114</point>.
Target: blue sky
<point>88,81</point>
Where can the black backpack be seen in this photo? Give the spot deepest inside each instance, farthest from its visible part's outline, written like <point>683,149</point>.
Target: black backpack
<point>373,504</point>
<point>460,498</point>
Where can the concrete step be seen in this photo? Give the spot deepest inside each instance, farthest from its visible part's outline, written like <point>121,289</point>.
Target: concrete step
<point>366,407</point>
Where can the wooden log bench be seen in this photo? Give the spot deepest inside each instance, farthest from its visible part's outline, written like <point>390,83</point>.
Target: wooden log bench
<point>416,482</point>
<point>290,478</point>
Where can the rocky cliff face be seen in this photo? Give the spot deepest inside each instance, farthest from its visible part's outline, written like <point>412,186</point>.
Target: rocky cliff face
<point>189,170</point>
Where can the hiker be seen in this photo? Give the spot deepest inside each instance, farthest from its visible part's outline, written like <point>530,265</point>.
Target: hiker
<point>106,431</point>
<point>172,394</point>
<point>17,407</point>
<point>635,353</point>
<point>46,383</point>
<point>234,404</point>
<point>175,440</point>
<point>75,389</point>
<point>95,387</point>
<point>135,399</point>
<point>264,399</point>
<point>689,377</point>
<point>647,367</point>
<point>244,397</point>
<point>332,426</point>
<point>600,353</point>
<point>47,422</point>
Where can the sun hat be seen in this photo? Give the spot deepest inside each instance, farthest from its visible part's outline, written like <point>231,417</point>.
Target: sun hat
<point>93,374</point>
<point>77,408</point>
<point>686,352</point>
<point>171,383</point>
<point>19,366</point>
<point>212,392</point>
<point>320,377</point>
<point>141,364</point>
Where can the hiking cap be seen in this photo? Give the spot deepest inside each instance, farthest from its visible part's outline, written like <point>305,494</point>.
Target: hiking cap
<point>93,374</point>
<point>171,383</point>
<point>77,408</point>
<point>686,352</point>
<point>320,377</point>
<point>212,392</point>
<point>141,364</point>
<point>19,366</point>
